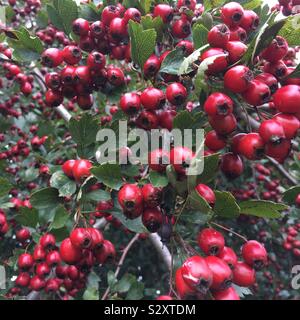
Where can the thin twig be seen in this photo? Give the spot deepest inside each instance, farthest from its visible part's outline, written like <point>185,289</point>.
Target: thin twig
<point>121,262</point>
<point>229,230</point>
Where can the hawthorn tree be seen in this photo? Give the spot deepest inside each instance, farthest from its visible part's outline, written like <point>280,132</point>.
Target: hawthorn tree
<point>74,228</point>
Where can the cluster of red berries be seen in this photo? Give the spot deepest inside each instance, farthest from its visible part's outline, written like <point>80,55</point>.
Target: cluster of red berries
<point>14,74</point>
<point>148,110</point>
<point>219,268</point>
<point>292,242</point>
<point>145,201</point>
<point>51,269</point>
<point>29,7</point>
<point>4,227</point>
<point>50,34</point>
<point>77,169</point>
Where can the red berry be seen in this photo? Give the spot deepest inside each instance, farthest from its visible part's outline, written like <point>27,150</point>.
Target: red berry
<point>151,66</point>
<point>164,11</point>
<point>271,131</point>
<point>81,238</point>
<point>37,284</point>
<point>287,99</point>
<point>132,14</point>
<point>219,64</point>
<point>130,103</point>
<point>276,50</point>
<point>69,253</point>
<point>196,274</point>
<point>250,20</point>
<point>96,60</point>
<point>236,50</point>
<point>254,254</point>
<point>251,146</point>
<point>47,241</point>
<point>23,280</point>
<point>223,125</point>
<point>71,54</point>
<point>238,34</point>
<point>269,80</point>
<point>53,259</point>
<point>158,160</point>
<point>207,193</point>
<point>229,256</point>
<point>81,27</point>
<point>214,142</point>
<point>109,13</point>
<point>211,241</point>
<point>238,78</point>
<point>289,123</point>
<point>183,290</point>
<point>67,168</point>
<point>107,252</point>
<point>176,93</point>
<point>243,275</point>
<point>228,294</point>
<point>219,36</point>
<point>218,104</point>
<point>151,196</point>
<point>222,274</point>
<point>232,13</point>
<point>118,29</point>
<point>52,57</point>
<point>153,98</point>
<point>53,98</point>
<point>25,261</point>
<point>81,169</point>
<point>53,80</point>
<point>232,165</point>
<point>131,200</point>
<point>152,219</point>
<point>181,28</point>
<point>181,158</point>
<point>42,270</point>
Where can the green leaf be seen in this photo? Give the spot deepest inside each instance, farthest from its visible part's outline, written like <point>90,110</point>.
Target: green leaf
<point>187,64</point>
<point>290,31</point>
<point>84,130</point>
<point>211,164</point>
<point>200,33</point>
<point>55,17</point>
<point>125,283</point>
<point>109,174</point>
<point>251,4</point>
<point>98,195</point>
<point>291,194</point>
<point>158,179</point>
<point>210,4</point>
<point>91,293</point>
<point>5,187</point>
<point>46,198</point>
<point>156,23</point>
<point>42,19</point>
<point>172,62</point>
<point>226,205</point>
<point>187,120</point>
<point>60,218</point>
<point>196,202</point>
<point>136,291</point>
<point>89,11</point>
<point>63,184</point>
<point>28,217</point>
<point>30,174</point>
<point>263,209</point>
<point>111,278</point>
<point>68,12</point>
<point>142,42</point>
<point>27,48</point>
<point>9,14</point>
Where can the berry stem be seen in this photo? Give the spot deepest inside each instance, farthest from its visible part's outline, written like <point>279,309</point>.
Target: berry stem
<point>230,231</point>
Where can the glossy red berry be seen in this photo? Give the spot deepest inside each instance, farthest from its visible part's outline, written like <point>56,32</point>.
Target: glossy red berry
<point>151,66</point>
<point>23,234</point>
<point>238,34</point>
<point>39,254</point>
<point>132,14</point>
<point>223,125</point>
<point>191,4</point>
<point>107,252</point>
<point>53,259</point>
<point>251,146</point>
<point>181,159</point>
<point>196,274</point>
<point>42,270</point>
<point>271,131</point>
<point>218,104</point>
<point>152,196</point>
<point>53,80</point>
<point>276,50</point>
<point>228,255</point>
<point>238,78</point>
<point>97,29</point>
<point>287,99</point>
<point>130,103</point>
<point>257,93</point>
<point>219,36</point>
<point>278,69</point>
<point>290,124</point>
<point>211,241</point>
<point>52,57</point>
<point>164,11</point>
<point>232,165</point>
<point>130,198</point>
<point>243,275</point>
<point>53,98</point>
<point>254,254</point>
<point>181,28</point>
<point>176,93</point>
<point>219,64</point>
<point>23,280</point>
<point>69,253</point>
<point>250,20</point>
<point>147,120</point>
<point>214,142</point>
<point>47,241</point>
<point>81,238</point>
<point>109,13</point>
<point>187,46</point>
<point>236,50</point>
<point>222,274</point>
<point>115,76</point>
<point>97,238</point>
<point>118,29</point>
<point>81,27</point>
<point>232,13</point>
<point>207,193</point>
<point>67,168</point>
<point>96,60</point>
<point>279,151</point>
<point>152,219</point>
<point>37,284</point>
<point>71,54</point>
<point>183,290</point>
<point>269,80</point>
<point>152,98</point>
<point>81,169</point>
<point>25,261</point>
